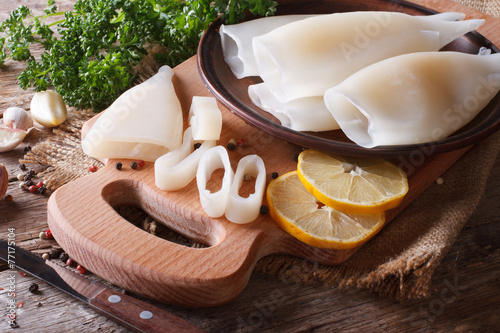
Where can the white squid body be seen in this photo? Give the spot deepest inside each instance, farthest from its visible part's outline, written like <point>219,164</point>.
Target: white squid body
<point>302,114</point>
<point>145,122</point>
<point>236,41</point>
<point>414,98</point>
<point>306,57</point>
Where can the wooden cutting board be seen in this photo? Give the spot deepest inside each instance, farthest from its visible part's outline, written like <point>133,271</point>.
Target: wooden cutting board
<point>82,218</point>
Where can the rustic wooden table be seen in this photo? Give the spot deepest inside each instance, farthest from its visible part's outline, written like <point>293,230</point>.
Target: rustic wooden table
<point>466,298</point>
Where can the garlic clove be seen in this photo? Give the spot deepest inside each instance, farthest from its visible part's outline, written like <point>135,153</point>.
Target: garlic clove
<point>10,138</point>
<point>48,108</point>
<point>4,180</point>
<point>17,118</point>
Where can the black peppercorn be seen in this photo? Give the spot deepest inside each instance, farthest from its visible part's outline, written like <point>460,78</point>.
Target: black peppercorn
<point>296,157</point>
<point>33,288</point>
<point>197,145</point>
<point>264,209</point>
<point>118,166</point>
<point>133,165</point>
<point>54,253</point>
<point>31,173</point>
<point>22,167</point>
<point>27,149</point>
<point>274,175</point>
<point>64,257</point>
<point>27,177</point>
<point>42,189</point>
<point>28,182</point>
<point>231,146</point>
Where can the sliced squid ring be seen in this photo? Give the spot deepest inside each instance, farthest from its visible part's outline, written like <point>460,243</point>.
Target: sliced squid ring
<point>244,210</point>
<point>214,158</point>
<point>177,168</point>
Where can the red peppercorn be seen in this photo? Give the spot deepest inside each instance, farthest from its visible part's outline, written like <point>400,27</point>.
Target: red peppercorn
<point>39,184</point>
<point>80,269</point>
<point>241,142</point>
<point>48,234</point>
<point>9,198</point>
<point>33,189</point>
<point>22,273</point>
<point>70,262</point>
<point>92,168</point>
<point>141,163</point>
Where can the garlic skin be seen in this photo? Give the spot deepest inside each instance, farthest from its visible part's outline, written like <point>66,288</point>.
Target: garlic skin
<point>4,180</point>
<point>17,118</point>
<point>10,138</point>
<point>48,108</point>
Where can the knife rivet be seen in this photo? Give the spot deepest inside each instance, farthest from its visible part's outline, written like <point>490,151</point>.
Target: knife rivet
<point>114,299</point>
<point>146,315</point>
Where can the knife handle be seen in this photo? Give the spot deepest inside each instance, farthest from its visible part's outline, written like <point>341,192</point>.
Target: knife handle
<point>139,316</point>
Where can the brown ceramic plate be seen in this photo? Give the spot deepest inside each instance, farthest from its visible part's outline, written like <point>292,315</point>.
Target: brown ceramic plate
<point>232,92</point>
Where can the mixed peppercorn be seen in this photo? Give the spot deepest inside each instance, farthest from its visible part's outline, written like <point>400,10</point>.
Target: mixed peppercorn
<point>28,183</point>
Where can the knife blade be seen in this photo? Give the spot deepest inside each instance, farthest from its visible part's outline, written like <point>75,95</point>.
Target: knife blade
<point>127,311</point>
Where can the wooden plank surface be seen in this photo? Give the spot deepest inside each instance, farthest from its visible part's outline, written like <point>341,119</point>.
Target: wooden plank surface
<point>466,297</point>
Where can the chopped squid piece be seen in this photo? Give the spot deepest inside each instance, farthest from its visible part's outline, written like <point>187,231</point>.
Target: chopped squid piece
<point>205,118</point>
<point>414,98</point>
<point>177,168</point>
<point>214,158</point>
<point>245,210</point>
<point>236,41</point>
<point>145,122</point>
<point>303,114</point>
<point>306,57</point>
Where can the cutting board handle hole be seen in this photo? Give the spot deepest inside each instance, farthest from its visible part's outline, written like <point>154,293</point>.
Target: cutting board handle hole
<point>141,205</point>
<point>144,221</point>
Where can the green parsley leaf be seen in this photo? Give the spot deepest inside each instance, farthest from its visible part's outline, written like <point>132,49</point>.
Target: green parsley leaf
<point>99,43</point>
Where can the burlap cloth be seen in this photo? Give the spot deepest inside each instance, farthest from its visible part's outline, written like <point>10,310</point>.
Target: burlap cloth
<point>399,262</point>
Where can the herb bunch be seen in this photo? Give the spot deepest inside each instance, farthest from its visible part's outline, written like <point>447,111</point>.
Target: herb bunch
<point>90,54</point>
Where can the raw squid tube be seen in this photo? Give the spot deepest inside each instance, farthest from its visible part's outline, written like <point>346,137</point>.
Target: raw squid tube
<point>205,118</point>
<point>244,210</point>
<point>306,57</point>
<point>236,41</point>
<point>303,114</point>
<point>214,158</point>
<point>145,122</point>
<point>414,98</point>
<point>177,168</point>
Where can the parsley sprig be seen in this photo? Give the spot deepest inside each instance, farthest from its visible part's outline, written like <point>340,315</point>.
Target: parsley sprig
<point>90,54</point>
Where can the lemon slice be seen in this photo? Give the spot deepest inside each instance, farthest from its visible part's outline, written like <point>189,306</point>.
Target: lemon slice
<point>354,185</point>
<point>300,214</point>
